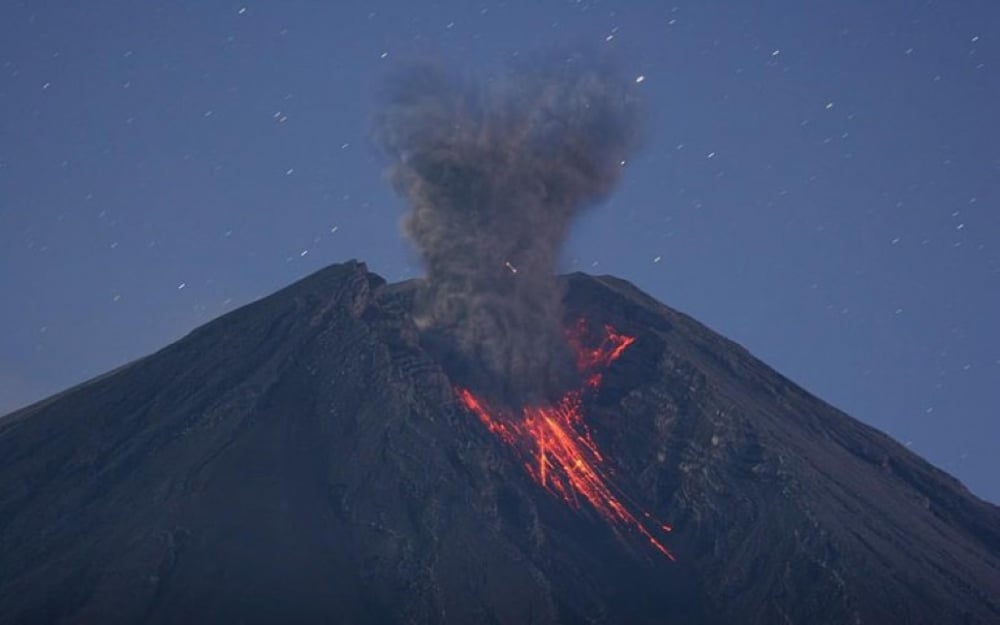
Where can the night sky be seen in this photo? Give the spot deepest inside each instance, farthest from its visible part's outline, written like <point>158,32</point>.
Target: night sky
<point>820,181</point>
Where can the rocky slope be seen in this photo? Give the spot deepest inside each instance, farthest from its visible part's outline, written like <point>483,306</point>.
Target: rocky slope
<point>304,460</point>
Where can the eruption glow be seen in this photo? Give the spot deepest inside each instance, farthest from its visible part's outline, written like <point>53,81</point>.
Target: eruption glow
<point>557,447</point>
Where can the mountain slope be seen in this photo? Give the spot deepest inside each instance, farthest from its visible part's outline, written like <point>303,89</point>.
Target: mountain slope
<point>304,459</point>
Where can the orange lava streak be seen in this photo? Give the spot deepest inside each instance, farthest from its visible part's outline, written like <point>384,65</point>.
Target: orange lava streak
<point>591,361</point>
<point>558,449</point>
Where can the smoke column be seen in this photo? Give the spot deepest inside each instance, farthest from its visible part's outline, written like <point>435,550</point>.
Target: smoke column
<point>494,173</point>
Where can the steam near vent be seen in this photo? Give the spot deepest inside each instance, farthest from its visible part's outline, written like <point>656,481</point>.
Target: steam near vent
<point>494,173</point>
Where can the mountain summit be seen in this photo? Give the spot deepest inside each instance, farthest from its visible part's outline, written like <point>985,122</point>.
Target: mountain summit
<point>309,458</point>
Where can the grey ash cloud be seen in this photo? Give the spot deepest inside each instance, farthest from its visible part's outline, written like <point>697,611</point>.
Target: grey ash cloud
<point>494,173</point>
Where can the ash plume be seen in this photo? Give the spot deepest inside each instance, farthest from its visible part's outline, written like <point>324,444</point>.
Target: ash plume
<point>494,173</point>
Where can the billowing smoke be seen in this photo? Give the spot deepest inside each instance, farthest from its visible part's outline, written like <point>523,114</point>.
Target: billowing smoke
<point>494,172</point>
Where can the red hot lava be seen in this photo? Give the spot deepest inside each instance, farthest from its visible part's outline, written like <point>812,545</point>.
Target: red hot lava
<point>558,448</point>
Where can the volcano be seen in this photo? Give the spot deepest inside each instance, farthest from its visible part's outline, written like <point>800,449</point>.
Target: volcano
<point>306,459</point>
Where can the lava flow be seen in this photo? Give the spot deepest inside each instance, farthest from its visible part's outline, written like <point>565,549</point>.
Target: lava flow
<point>558,448</point>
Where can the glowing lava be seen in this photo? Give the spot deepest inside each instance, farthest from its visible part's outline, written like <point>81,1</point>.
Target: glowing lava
<point>557,447</point>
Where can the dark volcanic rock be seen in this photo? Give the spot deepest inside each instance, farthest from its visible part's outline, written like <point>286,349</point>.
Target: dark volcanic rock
<point>302,460</point>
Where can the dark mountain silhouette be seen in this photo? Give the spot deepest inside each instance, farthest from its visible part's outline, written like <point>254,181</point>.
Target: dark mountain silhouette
<point>304,460</point>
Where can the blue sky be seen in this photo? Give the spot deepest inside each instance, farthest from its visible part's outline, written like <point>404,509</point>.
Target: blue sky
<point>820,181</point>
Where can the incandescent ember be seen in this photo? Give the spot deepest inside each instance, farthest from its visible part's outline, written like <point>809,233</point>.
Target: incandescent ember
<point>557,447</point>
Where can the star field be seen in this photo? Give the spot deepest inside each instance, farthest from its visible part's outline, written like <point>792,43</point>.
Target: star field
<point>820,182</point>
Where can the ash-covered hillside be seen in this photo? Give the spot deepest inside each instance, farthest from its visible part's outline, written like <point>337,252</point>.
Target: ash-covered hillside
<point>305,459</point>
